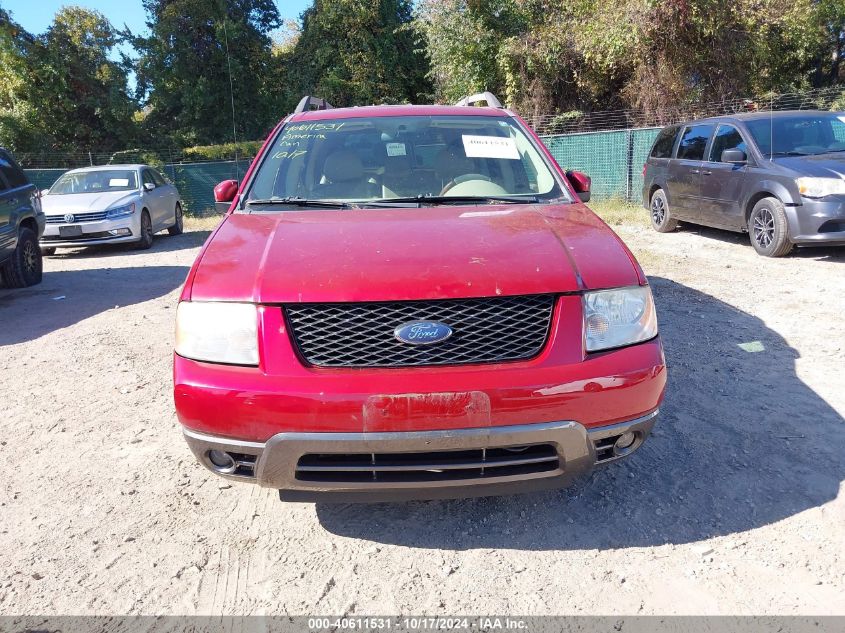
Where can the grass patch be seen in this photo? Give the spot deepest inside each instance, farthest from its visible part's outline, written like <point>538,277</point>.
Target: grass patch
<point>205,223</point>
<point>620,212</point>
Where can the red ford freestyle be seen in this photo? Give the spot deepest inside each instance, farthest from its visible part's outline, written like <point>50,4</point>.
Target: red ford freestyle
<point>412,302</point>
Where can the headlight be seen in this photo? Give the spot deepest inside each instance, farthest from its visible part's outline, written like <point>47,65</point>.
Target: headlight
<point>119,212</point>
<point>613,318</point>
<point>217,332</point>
<point>820,187</point>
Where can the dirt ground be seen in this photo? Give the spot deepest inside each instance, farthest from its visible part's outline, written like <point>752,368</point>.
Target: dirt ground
<point>734,506</point>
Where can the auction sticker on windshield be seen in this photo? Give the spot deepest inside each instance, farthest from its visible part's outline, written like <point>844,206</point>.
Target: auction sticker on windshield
<point>490,147</point>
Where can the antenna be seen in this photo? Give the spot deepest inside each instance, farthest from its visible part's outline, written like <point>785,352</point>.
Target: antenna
<point>232,99</point>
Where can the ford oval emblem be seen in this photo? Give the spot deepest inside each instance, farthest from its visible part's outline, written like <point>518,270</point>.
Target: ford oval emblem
<point>422,332</point>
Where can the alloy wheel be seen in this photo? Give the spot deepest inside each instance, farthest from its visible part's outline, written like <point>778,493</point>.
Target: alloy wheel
<point>658,210</point>
<point>764,227</point>
<point>30,258</point>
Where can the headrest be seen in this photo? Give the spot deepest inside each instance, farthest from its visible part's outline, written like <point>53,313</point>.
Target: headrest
<point>343,166</point>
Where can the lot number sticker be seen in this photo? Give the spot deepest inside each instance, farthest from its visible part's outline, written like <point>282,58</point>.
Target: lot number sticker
<point>490,147</point>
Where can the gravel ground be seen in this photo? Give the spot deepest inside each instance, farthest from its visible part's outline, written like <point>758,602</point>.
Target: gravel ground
<point>733,506</point>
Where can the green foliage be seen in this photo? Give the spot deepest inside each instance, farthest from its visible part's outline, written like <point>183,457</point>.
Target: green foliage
<point>129,156</point>
<point>184,70</point>
<point>657,56</point>
<point>354,52</point>
<point>224,151</point>
<point>78,93</point>
<point>16,112</point>
<point>61,90</point>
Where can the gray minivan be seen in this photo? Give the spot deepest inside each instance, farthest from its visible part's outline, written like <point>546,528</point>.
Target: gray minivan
<point>779,176</point>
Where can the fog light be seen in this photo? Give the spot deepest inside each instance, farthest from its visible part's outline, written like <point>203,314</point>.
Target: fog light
<point>120,232</point>
<point>221,461</point>
<point>626,440</point>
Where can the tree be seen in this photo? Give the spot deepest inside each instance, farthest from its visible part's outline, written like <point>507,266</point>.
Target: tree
<point>78,92</point>
<point>16,113</point>
<point>660,58</point>
<point>195,49</point>
<point>354,52</point>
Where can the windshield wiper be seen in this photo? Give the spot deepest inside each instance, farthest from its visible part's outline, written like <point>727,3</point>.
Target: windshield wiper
<point>300,202</point>
<point>453,200</point>
<point>789,154</point>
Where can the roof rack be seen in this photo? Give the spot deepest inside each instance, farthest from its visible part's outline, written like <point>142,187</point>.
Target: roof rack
<point>305,104</point>
<point>487,97</point>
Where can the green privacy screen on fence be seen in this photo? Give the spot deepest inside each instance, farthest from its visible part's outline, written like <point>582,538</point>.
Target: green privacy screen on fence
<point>614,160</point>
<point>195,181</point>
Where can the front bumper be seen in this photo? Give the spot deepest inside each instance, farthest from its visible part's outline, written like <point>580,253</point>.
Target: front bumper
<point>390,466</point>
<point>819,222</point>
<point>92,232</point>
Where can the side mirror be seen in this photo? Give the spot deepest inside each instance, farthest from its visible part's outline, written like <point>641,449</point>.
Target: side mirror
<point>736,156</point>
<point>226,191</point>
<point>149,186</point>
<point>580,183</point>
<point>44,192</point>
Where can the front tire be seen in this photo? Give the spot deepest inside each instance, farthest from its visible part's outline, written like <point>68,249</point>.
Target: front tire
<point>146,240</point>
<point>24,268</point>
<point>178,225</point>
<point>768,228</point>
<point>661,217</point>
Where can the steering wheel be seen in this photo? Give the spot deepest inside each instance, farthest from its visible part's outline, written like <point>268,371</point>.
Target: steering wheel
<point>463,178</point>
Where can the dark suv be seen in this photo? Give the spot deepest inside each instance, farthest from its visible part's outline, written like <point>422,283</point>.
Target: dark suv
<point>779,176</point>
<point>21,224</point>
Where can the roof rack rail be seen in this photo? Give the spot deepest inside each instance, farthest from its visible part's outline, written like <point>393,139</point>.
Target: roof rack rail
<point>488,97</point>
<point>305,104</point>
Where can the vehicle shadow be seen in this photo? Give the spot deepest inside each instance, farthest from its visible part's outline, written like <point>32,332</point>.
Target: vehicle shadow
<point>741,442</point>
<point>162,243</point>
<point>67,297</point>
<point>820,253</point>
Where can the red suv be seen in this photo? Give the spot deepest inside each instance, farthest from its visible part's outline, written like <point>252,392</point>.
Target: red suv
<point>412,302</point>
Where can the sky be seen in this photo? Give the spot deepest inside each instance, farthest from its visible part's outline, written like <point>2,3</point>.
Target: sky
<point>36,15</point>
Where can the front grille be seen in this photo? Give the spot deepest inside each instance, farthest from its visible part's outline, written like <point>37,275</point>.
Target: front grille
<point>482,463</point>
<point>78,217</point>
<point>485,330</point>
<point>101,235</point>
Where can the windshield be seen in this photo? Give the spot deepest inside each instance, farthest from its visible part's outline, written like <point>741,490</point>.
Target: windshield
<point>382,158</point>
<point>95,181</point>
<point>802,134</point>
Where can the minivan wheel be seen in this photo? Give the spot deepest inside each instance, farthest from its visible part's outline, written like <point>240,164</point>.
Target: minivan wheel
<point>768,228</point>
<point>25,266</point>
<point>661,218</point>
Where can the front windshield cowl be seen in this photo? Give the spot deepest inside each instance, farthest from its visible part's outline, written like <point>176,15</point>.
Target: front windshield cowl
<point>418,160</point>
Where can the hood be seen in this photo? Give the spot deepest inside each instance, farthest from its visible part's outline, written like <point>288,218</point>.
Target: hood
<point>410,253</point>
<point>59,204</point>
<point>821,165</point>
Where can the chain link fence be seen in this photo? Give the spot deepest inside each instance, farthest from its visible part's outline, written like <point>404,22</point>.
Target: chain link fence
<point>611,147</point>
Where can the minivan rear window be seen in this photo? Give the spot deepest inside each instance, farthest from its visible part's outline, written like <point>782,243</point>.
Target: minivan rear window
<point>665,142</point>
<point>694,141</point>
